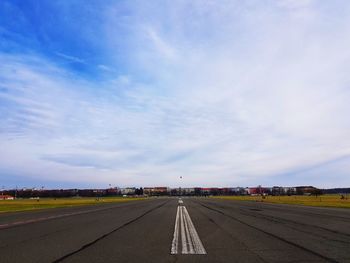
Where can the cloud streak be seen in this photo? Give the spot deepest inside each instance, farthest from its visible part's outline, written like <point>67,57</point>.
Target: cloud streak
<point>241,93</point>
<point>70,58</point>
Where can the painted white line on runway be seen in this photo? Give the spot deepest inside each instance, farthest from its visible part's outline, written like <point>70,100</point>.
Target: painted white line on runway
<point>174,244</point>
<point>197,243</point>
<point>180,201</point>
<point>183,234</point>
<point>190,241</point>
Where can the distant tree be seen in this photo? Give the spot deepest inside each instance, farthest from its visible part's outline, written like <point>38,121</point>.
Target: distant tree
<point>316,192</point>
<point>197,191</point>
<point>139,191</point>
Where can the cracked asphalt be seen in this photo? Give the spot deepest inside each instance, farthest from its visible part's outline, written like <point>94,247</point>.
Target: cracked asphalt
<point>142,231</point>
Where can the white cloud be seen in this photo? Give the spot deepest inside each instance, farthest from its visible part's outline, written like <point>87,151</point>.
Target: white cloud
<point>105,68</point>
<point>264,89</point>
<point>218,94</point>
<point>70,58</point>
<point>295,3</point>
<point>160,46</point>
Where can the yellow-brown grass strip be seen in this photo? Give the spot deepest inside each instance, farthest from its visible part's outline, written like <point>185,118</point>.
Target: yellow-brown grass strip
<point>45,203</point>
<point>320,200</point>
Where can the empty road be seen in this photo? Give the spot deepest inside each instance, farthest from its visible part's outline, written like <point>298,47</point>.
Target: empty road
<point>177,230</point>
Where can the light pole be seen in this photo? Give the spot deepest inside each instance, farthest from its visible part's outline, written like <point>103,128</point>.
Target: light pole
<point>180,186</point>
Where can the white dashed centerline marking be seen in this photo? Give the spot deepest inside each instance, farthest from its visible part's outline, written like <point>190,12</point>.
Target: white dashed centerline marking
<point>190,241</point>
<point>174,244</point>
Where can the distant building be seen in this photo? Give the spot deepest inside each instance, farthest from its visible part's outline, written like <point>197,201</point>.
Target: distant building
<point>289,190</point>
<point>238,191</point>
<point>147,190</point>
<point>156,190</point>
<point>259,190</point>
<point>6,197</point>
<point>128,191</point>
<point>187,191</point>
<point>113,191</point>
<point>305,190</point>
<point>161,190</point>
<point>277,190</point>
<point>206,191</point>
<point>280,190</point>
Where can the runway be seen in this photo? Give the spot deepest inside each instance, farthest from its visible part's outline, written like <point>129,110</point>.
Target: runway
<point>173,230</point>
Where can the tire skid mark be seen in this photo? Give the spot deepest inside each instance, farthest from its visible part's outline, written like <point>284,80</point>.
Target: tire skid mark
<point>287,222</point>
<point>279,219</point>
<point>272,235</point>
<point>40,237</point>
<point>231,236</point>
<point>46,218</point>
<point>285,208</point>
<point>87,245</point>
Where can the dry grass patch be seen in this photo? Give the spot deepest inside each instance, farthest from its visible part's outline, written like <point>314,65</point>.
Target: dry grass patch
<point>45,203</point>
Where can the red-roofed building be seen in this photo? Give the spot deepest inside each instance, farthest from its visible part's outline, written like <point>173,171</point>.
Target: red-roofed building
<point>6,197</point>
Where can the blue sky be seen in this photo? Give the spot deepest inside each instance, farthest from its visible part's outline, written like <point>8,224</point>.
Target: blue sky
<point>139,93</point>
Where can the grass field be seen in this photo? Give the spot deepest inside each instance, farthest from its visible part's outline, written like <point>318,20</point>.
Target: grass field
<point>321,200</point>
<point>44,203</point>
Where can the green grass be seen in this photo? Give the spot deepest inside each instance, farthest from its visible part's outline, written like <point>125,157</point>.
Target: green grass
<point>46,203</point>
<point>322,200</point>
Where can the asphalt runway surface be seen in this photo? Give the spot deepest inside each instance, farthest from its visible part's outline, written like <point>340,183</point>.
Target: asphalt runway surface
<point>173,230</point>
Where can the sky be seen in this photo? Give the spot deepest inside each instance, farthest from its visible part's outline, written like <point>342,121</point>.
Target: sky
<point>174,93</point>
